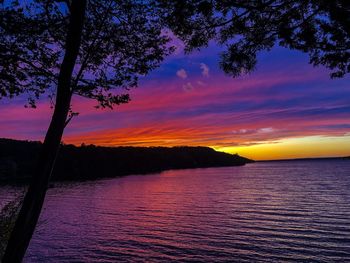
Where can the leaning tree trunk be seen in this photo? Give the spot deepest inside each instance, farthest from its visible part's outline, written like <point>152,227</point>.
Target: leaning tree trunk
<point>34,199</point>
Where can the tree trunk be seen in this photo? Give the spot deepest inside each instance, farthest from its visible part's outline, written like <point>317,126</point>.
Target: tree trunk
<point>34,199</point>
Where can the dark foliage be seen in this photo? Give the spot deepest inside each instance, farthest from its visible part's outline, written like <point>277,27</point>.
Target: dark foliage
<point>121,41</point>
<point>98,49</point>
<point>8,216</point>
<point>92,162</point>
<point>320,28</point>
<point>95,49</point>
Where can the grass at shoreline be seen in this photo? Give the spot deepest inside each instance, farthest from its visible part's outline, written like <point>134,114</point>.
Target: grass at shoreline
<point>8,215</point>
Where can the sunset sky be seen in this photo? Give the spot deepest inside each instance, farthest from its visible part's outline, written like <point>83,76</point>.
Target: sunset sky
<point>285,109</point>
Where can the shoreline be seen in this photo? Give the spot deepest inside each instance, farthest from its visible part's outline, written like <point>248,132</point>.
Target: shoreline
<point>94,162</point>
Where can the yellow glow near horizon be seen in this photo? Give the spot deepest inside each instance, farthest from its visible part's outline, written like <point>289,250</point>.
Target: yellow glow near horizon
<point>305,147</point>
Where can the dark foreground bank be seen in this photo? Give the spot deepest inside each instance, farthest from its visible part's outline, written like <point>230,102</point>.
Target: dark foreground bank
<point>17,160</point>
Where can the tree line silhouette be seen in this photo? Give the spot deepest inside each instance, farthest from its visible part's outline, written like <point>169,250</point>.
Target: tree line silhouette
<point>92,162</point>
<point>99,49</point>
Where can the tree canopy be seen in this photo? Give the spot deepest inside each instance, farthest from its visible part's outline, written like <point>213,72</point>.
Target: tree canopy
<point>320,28</point>
<point>95,49</point>
<point>99,49</point>
<point>121,41</point>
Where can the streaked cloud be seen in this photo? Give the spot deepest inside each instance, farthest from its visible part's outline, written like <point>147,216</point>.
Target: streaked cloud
<point>285,101</point>
<point>182,74</point>
<point>201,83</point>
<point>266,130</point>
<point>205,70</point>
<point>188,86</point>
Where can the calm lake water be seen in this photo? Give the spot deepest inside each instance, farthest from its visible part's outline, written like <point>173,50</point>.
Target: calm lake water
<point>263,212</point>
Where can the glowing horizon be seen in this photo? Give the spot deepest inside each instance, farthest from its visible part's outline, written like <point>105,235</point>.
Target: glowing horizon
<point>286,109</point>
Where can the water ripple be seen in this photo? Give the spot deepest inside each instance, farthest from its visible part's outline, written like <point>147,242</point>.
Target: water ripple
<point>262,212</point>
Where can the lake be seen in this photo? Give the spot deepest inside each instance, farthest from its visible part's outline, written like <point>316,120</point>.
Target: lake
<point>263,212</point>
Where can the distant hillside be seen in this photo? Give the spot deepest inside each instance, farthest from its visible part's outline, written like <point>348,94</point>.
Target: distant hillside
<point>307,159</point>
<point>17,160</point>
